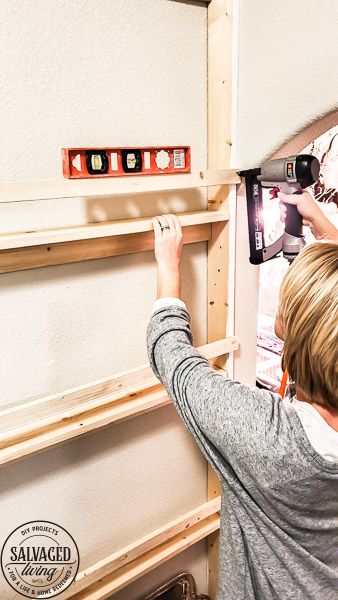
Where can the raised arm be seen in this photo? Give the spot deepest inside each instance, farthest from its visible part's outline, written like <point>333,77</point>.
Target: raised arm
<point>231,422</point>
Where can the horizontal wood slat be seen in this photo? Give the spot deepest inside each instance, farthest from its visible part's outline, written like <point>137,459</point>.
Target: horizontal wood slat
<point>24,191</point>
<point>71,252</point>
<point>99,230</point>
<point>21,251</point>
<point>30,427</point>
<point>135,560</point>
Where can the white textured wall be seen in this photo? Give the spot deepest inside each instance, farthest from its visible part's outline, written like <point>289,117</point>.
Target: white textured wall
<point>288,58</point>
<point>287,71</point>
<point>98,74</point>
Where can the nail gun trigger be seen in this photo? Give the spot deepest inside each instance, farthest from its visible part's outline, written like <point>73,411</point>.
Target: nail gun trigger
<point>274,193</point>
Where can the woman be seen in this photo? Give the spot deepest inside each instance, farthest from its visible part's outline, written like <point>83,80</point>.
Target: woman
<point>277,460</point>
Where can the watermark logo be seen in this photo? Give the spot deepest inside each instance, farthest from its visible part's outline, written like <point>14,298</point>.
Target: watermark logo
<point>40,559</point>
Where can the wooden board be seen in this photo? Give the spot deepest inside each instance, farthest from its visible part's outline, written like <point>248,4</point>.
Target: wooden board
<point>219,150</point>
<point>49,255</point>
<point>140,549</point>
<point>75,244</point>
<point>150,552</point>
<point>30,427</point>
<point>99,230</point>
<point>24,191</point>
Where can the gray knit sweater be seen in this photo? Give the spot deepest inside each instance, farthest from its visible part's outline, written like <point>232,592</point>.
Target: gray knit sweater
<point>279,515</point>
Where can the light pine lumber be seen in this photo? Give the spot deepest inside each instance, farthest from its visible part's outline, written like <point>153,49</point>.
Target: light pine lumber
<point>49,255</point>
<point>100,230</point>
<point>219,152</point>
<point>93,394</point>
<point>219,148</point>
<point>31,250</point>
<point>29,428</point>
<point>23,191</point>
<point>112,583</point>
<point>141,548</point>
<point>70,427</point>
<point>133,380</point>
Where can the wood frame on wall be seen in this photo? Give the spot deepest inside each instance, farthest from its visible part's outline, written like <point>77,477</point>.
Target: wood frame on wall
<point>49,189</point>
<point>220,60</point>
<point>114,572</point>
<point>35,249</point>
<point>140,392</point>
<point>30,427</point>
<point>121,397</point>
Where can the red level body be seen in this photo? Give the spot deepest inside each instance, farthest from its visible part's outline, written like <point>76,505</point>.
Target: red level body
<point>79,163</point>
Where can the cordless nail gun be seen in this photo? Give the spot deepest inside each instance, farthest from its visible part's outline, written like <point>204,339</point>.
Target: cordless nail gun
<point>289,175</point>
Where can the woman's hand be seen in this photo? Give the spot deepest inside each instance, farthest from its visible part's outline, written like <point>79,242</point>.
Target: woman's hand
<point>168,250</point>
<point>311,212</point>
<point>306,206</point>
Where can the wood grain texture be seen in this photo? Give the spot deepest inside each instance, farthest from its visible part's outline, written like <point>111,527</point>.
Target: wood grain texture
<point>33,250</point>
<point>24,191</point>
<point>113,582</point>
<point>48,255</point>
<point>100,230</point>
<point>219,150</point>
<point>30,427</point>
<point>140,552</point>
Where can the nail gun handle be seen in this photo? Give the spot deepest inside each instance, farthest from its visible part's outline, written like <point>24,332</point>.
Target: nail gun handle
<point>293,221</point>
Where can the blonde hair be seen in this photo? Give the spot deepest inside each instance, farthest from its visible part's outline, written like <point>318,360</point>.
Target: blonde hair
<point>308,311</point>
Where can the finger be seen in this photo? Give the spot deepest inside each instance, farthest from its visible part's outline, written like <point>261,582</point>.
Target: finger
<point>163,220</point>
<point>157,228</point>
<point>177,225</point>
<point>288,198</point>
<point>165,227</point>
<point>171,221</point>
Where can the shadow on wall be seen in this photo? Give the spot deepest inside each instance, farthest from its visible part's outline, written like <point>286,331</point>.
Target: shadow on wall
<point>78,322</point>
<point>143,205</point>
<point>71,455</point>
<point>69,212</point>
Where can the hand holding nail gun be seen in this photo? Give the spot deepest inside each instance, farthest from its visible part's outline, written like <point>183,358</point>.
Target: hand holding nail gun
<point>291,176</point>
<point>311,212</point>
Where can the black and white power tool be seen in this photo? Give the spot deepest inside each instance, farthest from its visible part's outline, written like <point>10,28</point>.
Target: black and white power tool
<point>290,175</point>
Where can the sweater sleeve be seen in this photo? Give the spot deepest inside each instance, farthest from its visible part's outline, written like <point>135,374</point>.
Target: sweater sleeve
<point>229,421</point>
